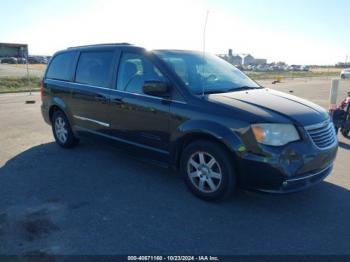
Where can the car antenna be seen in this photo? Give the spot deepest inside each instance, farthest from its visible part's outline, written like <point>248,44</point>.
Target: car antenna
<point>204,35</point>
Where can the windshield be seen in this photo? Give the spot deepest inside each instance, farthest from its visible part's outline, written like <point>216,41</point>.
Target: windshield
<point>208,74</point>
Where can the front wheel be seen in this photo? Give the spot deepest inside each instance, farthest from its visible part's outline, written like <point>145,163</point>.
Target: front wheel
<point>62,130</point>
<point>207,170</point>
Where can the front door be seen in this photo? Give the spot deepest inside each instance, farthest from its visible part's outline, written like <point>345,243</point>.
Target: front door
<point>137,117</point>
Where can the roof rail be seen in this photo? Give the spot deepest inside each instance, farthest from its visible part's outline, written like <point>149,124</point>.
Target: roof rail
<point>99,45</point>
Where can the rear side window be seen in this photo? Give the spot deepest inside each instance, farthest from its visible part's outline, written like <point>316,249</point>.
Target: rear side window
<point>94,68</point>
<point>61,66</point>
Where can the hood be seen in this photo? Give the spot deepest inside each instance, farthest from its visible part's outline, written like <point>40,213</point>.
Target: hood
<point>273,105</point>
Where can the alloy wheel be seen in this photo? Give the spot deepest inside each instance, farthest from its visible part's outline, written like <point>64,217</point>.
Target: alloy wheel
<point>204,172</point>
<point>61,130</point>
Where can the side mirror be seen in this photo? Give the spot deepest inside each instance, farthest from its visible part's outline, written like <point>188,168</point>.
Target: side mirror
<point>155,88</point>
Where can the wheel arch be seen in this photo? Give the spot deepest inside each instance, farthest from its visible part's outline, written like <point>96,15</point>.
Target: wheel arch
<point>206,131</point>
<point>58,104</point>
<point>52,110</point>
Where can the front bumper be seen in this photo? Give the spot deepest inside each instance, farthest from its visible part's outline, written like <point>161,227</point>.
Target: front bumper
<point>291,168</point>
<point>300,183</point>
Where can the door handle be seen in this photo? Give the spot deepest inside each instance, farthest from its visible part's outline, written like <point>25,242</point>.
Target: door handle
<point>118,100</point>
<point>101,98</point>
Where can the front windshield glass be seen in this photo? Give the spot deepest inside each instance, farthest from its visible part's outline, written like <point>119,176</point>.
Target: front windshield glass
<point>206,73</point>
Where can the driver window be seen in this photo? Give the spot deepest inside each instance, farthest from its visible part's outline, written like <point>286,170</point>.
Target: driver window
<point>134,70</point>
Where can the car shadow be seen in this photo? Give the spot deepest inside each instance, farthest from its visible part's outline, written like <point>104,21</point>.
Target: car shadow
<point>97,199</point>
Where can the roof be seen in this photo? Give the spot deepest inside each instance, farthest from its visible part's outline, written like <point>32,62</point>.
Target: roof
<point>176,51</point>
<point>101,45</point>
<point>13,44</point>
<point>96,47</point>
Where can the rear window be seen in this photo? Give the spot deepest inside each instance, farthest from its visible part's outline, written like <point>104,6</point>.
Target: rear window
<point>94,68</point>
<point>61,66</point>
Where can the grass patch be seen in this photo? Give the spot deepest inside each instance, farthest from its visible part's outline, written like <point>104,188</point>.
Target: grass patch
<point>274,75</point>
<point>30,66</point>
<point>19,84</point>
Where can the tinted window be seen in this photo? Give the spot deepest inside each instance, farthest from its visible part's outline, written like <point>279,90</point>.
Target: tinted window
<point>61,66</point>
<point>134,70</point>
<point>94,68</point>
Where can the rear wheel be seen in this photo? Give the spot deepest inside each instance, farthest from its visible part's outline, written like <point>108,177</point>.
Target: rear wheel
<point>342,76</point>
<point>62,130</point>
<point>207,170</point>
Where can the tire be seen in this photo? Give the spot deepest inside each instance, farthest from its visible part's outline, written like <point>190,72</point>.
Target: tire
<point>342,76</point>
<point>62,130</point>
<point>201,164</point>
<point>345,132</point>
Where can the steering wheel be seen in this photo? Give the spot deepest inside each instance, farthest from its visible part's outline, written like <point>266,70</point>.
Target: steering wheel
<point>211,78</point>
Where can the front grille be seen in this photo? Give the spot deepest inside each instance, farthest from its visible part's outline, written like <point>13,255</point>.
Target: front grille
<point>323,135</point>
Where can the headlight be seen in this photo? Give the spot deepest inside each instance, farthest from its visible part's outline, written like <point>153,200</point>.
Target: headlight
<point>275,134</point>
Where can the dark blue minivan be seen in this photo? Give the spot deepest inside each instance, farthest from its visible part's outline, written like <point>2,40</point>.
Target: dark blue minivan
<point>206,118</point>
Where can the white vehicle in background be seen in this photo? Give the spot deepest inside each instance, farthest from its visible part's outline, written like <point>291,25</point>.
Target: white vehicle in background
<point>345,73</point>
<point>261,68</point>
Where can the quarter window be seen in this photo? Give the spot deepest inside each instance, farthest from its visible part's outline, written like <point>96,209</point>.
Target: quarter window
<point>94,68</point>
<point>134,70</point>
<point>61,66</point>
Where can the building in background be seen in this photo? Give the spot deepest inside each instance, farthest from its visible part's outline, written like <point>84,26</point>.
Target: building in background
<point>248,60</point>
<point>13,50</point>
<point>260,61</point>
<point>231,58</point>
<point>234,59</point>
<point>242,59</point>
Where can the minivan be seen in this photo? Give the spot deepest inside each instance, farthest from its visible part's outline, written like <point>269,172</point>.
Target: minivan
<point>209,121</point>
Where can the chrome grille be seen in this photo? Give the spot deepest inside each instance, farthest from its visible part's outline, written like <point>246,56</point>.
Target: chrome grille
<point>323,134</point>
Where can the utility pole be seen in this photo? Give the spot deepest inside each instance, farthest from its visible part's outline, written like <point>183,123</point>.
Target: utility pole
<point>25,55</point>
<point>28,77</point>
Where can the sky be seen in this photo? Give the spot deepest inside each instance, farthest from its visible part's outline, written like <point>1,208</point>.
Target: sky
<point>293,31</point>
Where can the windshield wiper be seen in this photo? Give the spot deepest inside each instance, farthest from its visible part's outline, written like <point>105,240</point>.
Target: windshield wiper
<point>243,88</point>
<point>232,89</point>
<point>214,92</point>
